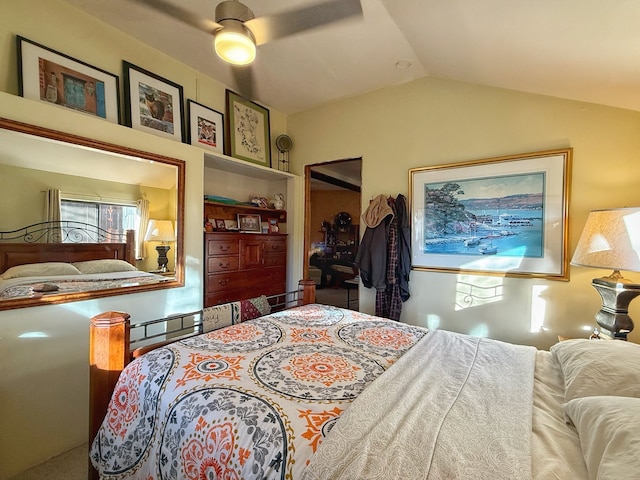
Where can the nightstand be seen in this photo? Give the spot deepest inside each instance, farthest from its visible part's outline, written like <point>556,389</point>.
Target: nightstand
<point>164,274</point>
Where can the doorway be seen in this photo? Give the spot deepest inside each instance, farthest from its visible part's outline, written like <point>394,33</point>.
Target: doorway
<point>332,230</point>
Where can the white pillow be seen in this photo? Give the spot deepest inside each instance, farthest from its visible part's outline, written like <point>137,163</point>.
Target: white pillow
<point>107,265</point>
<point>44,269</point>
<point>598,367</point>
<point>609,431</point>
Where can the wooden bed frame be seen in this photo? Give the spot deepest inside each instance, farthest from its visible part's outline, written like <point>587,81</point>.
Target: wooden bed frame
<point>110,350</point>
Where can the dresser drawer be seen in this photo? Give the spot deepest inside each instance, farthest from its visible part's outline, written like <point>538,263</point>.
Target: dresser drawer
<point>222,264</point>
<point>274,259</point>
<point>222,247</point>
<point>275,245</point>
<point>218,282</point>
<point>243,293</point>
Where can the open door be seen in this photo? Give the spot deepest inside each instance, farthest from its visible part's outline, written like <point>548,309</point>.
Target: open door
<point>332,229</point>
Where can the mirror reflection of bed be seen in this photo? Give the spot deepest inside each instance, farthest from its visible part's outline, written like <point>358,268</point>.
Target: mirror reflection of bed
<point>48,176</point>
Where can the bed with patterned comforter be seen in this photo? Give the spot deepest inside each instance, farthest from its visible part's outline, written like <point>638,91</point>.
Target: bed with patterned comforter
<point>323,393</point>
<point>249,401</point>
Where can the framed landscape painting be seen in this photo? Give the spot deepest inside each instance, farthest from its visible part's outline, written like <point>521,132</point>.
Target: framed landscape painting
<point>502,216</point>
<point>58,79</point>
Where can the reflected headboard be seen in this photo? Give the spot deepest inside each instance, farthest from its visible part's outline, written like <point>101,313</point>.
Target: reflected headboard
<point>31,249</point>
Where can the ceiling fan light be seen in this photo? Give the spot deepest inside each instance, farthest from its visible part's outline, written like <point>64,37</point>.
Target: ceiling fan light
<point>235,47</point>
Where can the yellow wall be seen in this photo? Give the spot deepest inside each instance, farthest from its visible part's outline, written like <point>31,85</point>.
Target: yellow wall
<point>433,122</point>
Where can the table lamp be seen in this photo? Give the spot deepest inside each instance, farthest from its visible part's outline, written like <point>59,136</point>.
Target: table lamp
<point>161,231</point>
<point>611,240</point>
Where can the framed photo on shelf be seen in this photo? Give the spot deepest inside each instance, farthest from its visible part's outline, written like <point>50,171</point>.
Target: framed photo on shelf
<point>220,225</point>
<point>273,225</point>
<point>53,77</point>
<point>206,127</point>
<point>504,216</point>
<point>248,222</point>
<point>153,104</point>
<point>248,131</point>
<point>231,225</point>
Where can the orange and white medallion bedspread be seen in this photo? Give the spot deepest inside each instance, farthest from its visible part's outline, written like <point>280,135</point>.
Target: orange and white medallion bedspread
<point>250,401</point>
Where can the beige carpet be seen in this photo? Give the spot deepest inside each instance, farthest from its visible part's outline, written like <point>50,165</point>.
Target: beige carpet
<point>71,465</point>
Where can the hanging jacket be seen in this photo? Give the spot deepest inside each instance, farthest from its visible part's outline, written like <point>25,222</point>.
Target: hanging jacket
<point>371,258</point>
<point>404,247</point>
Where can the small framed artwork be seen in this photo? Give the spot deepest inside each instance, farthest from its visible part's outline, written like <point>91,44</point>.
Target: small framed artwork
<point>231,225</point>
<point>59,79</point>
<point>206,127</point>
<point>248,131</point>
<point>249,223</point>
<point>220,225</point>
<point>153,104</point>
<point>503,216</point>
<point>273,225</point>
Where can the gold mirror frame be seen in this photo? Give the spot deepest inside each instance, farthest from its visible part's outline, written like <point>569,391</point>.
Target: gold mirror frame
<point>82,142</point>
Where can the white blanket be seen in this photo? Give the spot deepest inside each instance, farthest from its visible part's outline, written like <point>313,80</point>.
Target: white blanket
<point>453,406</point>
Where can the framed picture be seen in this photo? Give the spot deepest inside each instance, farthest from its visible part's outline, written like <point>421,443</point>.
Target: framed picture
<point>503,216</point>
<point>249,223</point>
<point>220,225</point>
<point>59,79</point>
<point>231,225</point>
<point>206,127</point>
<point>273,225</point>
<point>153,104</point>
<point>248,131</point>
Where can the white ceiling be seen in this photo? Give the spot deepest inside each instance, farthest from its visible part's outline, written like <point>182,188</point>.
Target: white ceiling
<point>585,50</point>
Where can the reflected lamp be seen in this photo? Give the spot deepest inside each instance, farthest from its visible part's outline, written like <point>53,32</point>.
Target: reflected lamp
<point>611,240</point>
<point>161,231</point>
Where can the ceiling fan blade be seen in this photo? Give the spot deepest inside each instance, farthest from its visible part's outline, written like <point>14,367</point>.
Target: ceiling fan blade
<point>185,16</point>
<point>272,27</point>
<point>243,78</point>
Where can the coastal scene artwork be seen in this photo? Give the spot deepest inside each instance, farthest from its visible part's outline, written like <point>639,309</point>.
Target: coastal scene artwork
<point>504,215</point>
<point>486,216</point>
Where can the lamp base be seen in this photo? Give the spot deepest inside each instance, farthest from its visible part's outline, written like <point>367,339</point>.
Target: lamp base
<point>613,317</point>
<point>162,257</point>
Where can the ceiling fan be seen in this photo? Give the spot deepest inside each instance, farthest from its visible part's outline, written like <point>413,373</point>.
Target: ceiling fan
<point>237,31</point>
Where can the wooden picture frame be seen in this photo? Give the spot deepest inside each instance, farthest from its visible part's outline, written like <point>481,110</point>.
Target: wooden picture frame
<point>506,216</point>
<point>58,79</point>
<point>153,104</point>
<point>248,222</point>
<point>220,225</point>
<point>248,130</point>
<point>206,127</point>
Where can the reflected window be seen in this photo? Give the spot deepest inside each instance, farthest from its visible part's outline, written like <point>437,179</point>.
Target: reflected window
<point>114,218</point>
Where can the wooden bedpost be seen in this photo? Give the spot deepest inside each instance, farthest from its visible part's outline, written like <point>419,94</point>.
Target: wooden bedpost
<point>131,247</point>
<point>308,294</point>
<point>108,355</point>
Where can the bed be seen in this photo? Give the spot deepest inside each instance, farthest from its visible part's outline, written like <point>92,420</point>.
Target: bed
<point>51,261</point>
<point>319,392</point>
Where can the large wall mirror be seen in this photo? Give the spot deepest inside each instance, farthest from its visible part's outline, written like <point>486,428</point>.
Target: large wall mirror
<point>82,219</point>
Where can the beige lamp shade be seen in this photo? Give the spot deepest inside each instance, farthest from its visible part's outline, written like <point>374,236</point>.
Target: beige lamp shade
<point>610,240</point>
<point>160,231</point>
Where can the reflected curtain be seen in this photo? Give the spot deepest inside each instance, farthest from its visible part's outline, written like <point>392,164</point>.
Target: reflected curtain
<point>53,213</point>
<point>143,216</point>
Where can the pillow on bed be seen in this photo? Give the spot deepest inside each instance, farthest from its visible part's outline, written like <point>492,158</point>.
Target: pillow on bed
<point>45,269</point>
<point>598,367</point>
<point>107,265</point>
<point>254,308</point>
<point>609,431</point>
